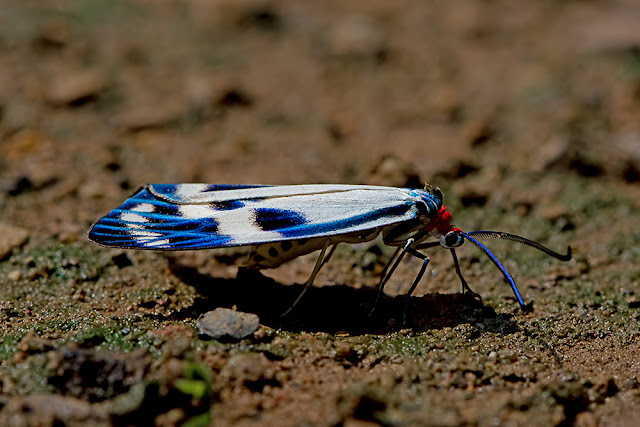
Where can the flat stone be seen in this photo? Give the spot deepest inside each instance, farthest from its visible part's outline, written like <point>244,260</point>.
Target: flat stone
<point>223,323</point>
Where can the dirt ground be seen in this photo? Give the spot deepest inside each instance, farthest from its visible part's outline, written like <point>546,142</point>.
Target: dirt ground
<point>526,114</point>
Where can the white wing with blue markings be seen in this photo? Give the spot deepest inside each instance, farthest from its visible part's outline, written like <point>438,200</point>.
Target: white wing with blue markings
<point>200,216</point>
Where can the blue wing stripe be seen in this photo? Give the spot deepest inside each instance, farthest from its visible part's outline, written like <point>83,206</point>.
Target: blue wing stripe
<point>181,240</point>
<point>155,228</point>
<point>117,224</point>
<point>167,189</point>
<point>207,225</point>
<point>152,215</point>
<point>329,226</point>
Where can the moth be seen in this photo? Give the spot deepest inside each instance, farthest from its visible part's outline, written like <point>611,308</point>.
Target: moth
<point>280,223</point>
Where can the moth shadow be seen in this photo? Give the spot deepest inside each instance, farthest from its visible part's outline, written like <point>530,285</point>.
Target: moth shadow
<point>333,309</point>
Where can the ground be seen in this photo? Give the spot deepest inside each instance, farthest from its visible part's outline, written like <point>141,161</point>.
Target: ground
<point>526,115</point>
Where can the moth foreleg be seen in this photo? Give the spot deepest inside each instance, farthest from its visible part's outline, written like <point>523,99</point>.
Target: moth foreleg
<point>465,286</point>
<point>385,277</point>
<point>386,267</point>
<point>319,263</point>
<point>425,262</point>
<point>329,255</point>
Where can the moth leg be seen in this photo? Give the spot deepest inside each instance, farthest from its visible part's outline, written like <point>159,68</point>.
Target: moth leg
<point>425,262</point>
<point>319,263</point>
<point>252,252</point>
<point>386,267</point>
<point>465,286</point>
<point>329,255</point>
<point>385,277</point>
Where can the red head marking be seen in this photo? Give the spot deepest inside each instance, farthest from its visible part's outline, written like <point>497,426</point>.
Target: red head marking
<point>440,222</point>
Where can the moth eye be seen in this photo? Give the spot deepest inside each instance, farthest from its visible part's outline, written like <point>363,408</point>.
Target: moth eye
<point>451,240</point>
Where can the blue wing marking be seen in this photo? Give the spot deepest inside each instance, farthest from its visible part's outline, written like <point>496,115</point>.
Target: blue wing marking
<point>146,222</point>
<point>269,219</point>
<point>326,228</point>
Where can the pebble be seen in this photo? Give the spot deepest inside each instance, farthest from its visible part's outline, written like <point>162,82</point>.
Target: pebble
<point>14,275</point>
<point>11,237</point>
<point>70,88</point>
<point>225,324</point>
<point>356,36</point>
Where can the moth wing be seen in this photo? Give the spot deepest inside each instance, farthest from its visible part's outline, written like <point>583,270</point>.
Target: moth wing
<point>152,220</point>
<point>216,193</point>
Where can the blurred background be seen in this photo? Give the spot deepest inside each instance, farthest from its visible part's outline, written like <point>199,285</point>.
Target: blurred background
<point>526,114</point>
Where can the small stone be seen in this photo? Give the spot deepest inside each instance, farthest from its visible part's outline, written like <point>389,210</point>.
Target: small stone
<point>71,88</point>
<point>356,36</point>
<point>223,323</point>
<point>11,237</point>
<point>14,275</point>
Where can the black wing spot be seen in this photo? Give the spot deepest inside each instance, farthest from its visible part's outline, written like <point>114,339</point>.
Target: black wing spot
<point>208,225</point>
<point>167,209</point>
<point>269,219</point>
<point>286,246</point>
<point>273,252</point>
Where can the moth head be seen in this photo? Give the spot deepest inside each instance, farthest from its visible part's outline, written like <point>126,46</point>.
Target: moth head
<point>440,227</point>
